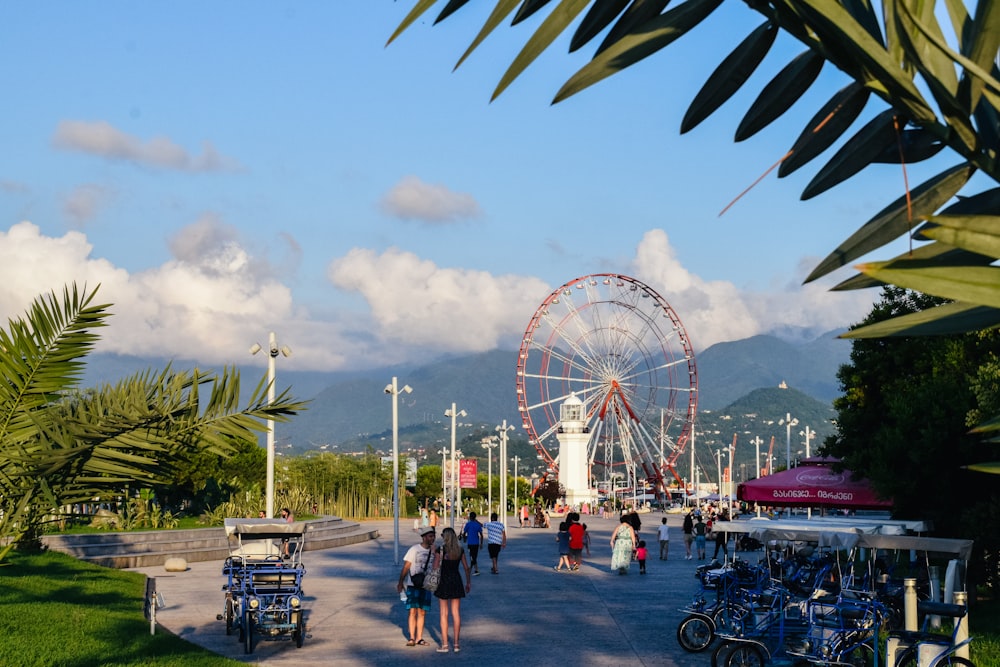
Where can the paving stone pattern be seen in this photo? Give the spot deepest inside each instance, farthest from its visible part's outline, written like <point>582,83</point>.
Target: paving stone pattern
<point>526,615</point>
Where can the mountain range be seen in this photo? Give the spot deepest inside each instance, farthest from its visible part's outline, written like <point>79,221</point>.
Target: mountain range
<point>350,409</point>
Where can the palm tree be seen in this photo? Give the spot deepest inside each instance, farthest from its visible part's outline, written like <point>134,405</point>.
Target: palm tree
<point>936,92</point>
<point>60,445</point>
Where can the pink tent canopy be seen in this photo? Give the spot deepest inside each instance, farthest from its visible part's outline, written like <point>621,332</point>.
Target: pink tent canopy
<point>812,484</point>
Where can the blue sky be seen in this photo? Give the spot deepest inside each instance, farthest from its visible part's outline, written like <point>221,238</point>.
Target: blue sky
<point>228,169</point>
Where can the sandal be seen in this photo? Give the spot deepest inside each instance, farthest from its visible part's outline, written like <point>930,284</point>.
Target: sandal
<point>457,648</point>
<point>443,648</point>
<point>411,642</point>
<point>422,642</point>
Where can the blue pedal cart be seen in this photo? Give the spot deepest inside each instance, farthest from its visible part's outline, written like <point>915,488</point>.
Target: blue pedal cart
<point>263,589</point>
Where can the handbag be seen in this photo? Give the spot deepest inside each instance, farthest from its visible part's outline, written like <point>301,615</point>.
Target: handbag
<point>419,579</point>
<point>433,577</point>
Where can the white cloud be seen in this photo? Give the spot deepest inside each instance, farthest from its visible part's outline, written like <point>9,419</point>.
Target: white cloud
<point>413,199</point>
<point>415,302</point>
<point>104,140</point>
<point>716,311</point>
<point>215,298</point>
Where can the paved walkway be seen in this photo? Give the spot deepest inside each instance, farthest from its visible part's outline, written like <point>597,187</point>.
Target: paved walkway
<point>526,615</point>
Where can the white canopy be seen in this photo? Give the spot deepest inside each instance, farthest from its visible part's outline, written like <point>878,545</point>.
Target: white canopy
<point>842,536</point>
<point>260,529</point>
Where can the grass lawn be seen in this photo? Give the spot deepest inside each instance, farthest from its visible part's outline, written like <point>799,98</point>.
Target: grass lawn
<point>60,612</point>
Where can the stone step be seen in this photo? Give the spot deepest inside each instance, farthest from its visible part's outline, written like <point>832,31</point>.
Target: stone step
<point>145,548</point>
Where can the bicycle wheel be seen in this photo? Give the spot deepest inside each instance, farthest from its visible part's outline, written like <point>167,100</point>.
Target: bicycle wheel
<point>720,653</point>
<point>695,633</point>
<point>229,614</point>
<point>954,660</point>
<point>744,655</point>
<point>861,655</point>
<point>909,659</point>
<point>248,635</point>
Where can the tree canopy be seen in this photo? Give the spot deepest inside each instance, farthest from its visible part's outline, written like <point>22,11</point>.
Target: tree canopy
<point>60,445</point>
<point>938,87</point>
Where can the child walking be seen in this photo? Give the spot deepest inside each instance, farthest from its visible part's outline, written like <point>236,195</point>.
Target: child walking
<point>640,555</point>
<point>586,539</point>
<point>562,538</point>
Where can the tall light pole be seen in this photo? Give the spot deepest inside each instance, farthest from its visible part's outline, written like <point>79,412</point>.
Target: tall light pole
<point>503,430</point>
<point>516,459</point>
<point>394,389</point>
<point>489,444</point>
<point>453,413</point>
<point>444,485</point>
<point>756,473</point>
<point>718,468</point>
<point>272,351</point>
<point>789,423</point>
<point>809,435</point>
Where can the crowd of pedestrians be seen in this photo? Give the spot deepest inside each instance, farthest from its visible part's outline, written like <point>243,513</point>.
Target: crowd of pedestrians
<point>572,540</point>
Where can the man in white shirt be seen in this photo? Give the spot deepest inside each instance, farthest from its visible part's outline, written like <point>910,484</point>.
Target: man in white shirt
<point>663,535</point>
<point>418,599</point>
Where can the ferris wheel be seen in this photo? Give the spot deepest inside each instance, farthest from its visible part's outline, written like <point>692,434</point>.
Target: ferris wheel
<point>619,347</point>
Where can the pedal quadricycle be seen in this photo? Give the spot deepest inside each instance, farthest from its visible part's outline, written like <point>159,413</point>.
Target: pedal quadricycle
<point>264,581</point>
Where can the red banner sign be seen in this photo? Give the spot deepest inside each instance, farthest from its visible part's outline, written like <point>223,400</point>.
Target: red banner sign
<point>467,469</point>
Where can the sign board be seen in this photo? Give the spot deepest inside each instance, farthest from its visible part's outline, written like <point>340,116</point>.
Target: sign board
<point>467,469</point>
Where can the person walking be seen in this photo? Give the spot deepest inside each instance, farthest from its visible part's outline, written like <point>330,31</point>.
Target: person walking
<point>525,516</point>
<point>688,530</point>
<point>562,540</point>
<point>496,540</point>
<point>721,539</point>
<point>663,536</point>
<point>576,531</point>
<point>640,555</point>
<point>473,538</point>
<point>622,544</point>
<point>699,537</point>
<point>416,562</point>
<point>450,590</point>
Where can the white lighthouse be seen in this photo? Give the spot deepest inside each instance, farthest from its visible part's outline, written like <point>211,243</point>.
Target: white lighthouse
<point>574,436</point>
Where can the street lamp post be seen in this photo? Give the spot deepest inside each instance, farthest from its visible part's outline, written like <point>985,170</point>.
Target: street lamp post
<point>516,459</point>
<point>453,413</point>
<point>272,350</point>
<point>444,463</point>
<point>489,444</point>
<point>809,435</point>
<point>394,389</point>
<point>718,470</point>
<point>756,473</point>
<point>789,423</point>
<point>503,430</point>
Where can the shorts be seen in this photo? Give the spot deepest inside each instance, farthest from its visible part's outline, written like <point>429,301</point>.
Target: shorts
<point>688,538</point>
<point>418,598</point>
<point>576,554</point>
<point>700,541</point>
<point>494,550</point>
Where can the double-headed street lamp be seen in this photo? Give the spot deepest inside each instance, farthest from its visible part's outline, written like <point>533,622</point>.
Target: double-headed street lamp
<point>489,444</point>
<point>272,350</point>
<point>393,390</point>
<point>788,423</point>
<point>453,413</point>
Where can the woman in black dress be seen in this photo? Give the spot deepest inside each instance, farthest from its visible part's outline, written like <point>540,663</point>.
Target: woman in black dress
<point>450,590</point>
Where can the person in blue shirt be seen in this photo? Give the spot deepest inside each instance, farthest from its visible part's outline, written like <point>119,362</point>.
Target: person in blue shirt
<point>474,539</point>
